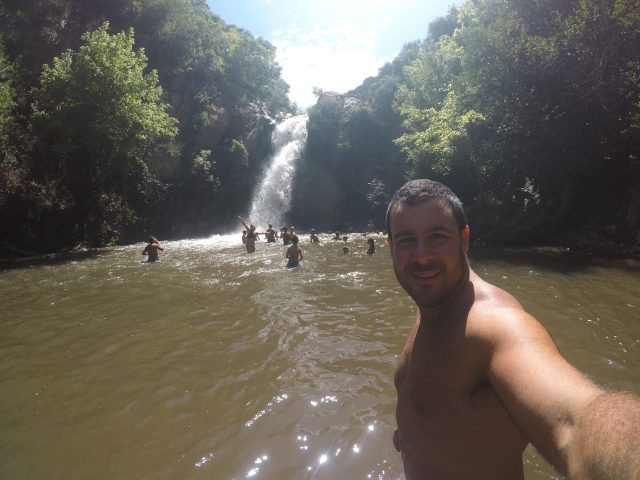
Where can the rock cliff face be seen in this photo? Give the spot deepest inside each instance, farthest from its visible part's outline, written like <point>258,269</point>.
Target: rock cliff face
<point>253,127</point>
<point>345,100</point>
<point>257,140</point>
<point>218,121</point>
<point>350,161</point>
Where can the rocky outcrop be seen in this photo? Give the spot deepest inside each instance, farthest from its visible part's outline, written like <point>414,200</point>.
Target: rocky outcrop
<point>346,101</point>
<point>217,122</point>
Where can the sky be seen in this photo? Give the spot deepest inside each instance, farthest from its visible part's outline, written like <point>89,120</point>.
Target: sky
<point>332,44</point>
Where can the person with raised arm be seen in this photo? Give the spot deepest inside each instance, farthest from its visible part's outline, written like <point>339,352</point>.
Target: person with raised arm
<point>252,236</point>
<point>151,249</point>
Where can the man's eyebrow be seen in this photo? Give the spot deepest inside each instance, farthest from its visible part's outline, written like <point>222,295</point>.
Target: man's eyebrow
<point>444,226</point>
<point>434,228</point>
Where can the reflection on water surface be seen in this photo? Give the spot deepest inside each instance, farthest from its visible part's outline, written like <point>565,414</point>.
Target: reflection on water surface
<point>213,363</point>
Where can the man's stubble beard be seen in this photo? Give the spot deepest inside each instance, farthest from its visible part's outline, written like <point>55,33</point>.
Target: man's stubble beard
<point>417,294</point>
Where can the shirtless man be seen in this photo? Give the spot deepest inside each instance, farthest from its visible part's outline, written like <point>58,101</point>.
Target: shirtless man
<point>479,378</point>
<point>271,234</point>
<point>151,250</point>
<point>252,236</point>
<point>294,253</point>
<point>286,236</point>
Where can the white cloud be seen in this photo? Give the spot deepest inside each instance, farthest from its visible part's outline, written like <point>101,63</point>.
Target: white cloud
<point>335,58</point>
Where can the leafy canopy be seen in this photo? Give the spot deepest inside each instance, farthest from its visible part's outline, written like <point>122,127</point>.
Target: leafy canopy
<point>99,107</point>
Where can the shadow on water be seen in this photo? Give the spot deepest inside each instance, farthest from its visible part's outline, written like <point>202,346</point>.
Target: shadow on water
<point>51,259</point>
<point>560,259</point>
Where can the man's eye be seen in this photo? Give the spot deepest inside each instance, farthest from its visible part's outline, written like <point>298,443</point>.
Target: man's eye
<point>405,240</point>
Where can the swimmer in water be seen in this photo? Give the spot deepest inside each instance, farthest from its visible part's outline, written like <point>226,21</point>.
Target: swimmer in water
<point>252,236</point>
<point>153,245</point>
<point>372,247</point>
<point>271,234</point>
<point>294,253</point>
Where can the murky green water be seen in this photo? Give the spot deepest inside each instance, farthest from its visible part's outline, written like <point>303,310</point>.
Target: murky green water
<point>221,365</point>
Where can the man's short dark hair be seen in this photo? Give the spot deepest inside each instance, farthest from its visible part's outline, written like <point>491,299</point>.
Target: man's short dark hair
<point>422,190</point>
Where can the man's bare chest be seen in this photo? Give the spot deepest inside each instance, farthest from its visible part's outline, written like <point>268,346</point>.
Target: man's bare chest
<point>439,391</point>
<point>447,410</point>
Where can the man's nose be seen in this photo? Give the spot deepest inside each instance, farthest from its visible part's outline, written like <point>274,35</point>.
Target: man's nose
<point>424,251</point>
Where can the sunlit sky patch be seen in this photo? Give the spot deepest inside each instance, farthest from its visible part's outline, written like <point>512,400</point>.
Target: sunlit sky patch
<point>332,44</point>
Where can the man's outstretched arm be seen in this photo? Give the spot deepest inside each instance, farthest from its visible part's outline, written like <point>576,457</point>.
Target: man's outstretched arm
<point>605,443</point>
<point>581,429</point>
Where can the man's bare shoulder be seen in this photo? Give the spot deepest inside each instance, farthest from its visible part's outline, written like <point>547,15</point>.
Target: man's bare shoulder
<point>489,296</point>
<point>496,315</point>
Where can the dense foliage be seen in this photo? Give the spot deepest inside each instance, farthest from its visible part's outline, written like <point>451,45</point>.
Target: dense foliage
<point>121,117</point>
<point>97,117</point>
<point>527,109</point>
<point>125,117</point>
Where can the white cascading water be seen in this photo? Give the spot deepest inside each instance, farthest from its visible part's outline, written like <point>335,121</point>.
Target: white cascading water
<point>272,198</point>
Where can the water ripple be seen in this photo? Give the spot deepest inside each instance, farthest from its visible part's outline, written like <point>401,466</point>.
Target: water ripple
<point>213,363</point>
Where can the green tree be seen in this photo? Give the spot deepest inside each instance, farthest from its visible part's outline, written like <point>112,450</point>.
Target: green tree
<point>99,117</point>
<point>11,173</point>
<point>526,109</point>
<point>7,101</point>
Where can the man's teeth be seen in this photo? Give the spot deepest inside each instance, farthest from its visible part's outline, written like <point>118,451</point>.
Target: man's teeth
<point>426,274</point>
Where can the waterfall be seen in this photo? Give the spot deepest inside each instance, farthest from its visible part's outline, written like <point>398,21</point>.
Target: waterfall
<point>272,197</point>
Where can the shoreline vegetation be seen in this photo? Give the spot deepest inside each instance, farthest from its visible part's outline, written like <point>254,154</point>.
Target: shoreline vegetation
<point>156,116</point>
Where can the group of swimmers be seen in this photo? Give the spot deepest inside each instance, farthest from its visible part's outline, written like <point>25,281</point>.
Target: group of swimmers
<point>250,236</point>
<point>288,236</point>
<point>294,252</point>
<point>371,250</point>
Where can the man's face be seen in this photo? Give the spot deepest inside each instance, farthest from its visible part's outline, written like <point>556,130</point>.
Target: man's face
<point>428,250</point>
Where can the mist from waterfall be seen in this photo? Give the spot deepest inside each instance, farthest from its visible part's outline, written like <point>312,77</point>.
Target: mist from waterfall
<point>272,197</point>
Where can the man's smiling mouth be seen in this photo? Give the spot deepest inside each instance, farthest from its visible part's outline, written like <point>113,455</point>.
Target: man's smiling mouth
<point>425,273</point>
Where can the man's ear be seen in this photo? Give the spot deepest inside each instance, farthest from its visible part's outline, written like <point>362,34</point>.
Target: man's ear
<point>464,239</point>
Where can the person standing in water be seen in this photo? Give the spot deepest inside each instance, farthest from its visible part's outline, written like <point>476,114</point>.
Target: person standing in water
<point>372,246</point>
<point>252,236</point>
<point>313,238</point>
<point>271,234</point>
<point>151,250</point>
<point>479,378</point>
<point>286,236</point>
<point>294,253</point>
